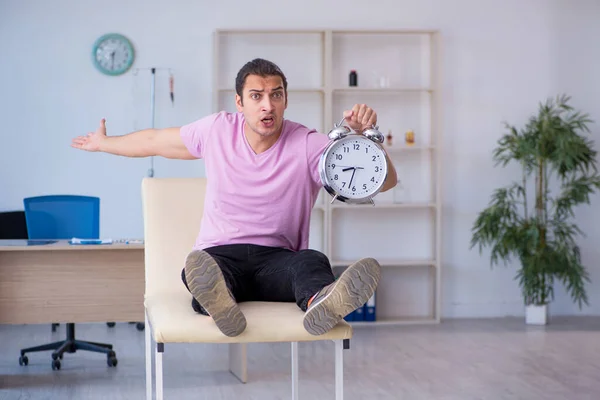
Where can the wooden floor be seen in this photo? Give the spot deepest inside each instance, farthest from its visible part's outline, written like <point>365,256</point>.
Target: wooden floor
<point>458,359</point>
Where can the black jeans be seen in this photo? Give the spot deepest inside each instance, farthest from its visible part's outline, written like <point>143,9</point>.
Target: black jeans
<point>260,273</point>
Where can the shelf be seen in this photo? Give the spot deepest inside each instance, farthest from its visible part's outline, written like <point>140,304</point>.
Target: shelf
<point>412,149</point>
<point>384,205</point>
<point>376,90</point>
<point>394,32</point>
<point>390,263</point>
<point>398,77</point>
<point>394,321</point>
<point>289,89</point>
<point>242,31</point>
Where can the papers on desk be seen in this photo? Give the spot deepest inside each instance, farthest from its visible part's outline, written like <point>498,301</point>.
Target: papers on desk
<point>90,241</point>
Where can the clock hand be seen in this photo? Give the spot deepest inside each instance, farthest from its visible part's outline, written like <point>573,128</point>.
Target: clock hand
<point>352,177</point>
<point>349,168</point>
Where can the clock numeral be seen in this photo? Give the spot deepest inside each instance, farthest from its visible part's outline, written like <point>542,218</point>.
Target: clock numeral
<point>367,150</point>
<point>356,146</point>
<point>346,149</point>
<point>376,169</point>
<point>335,177</point>
<point>332,166</point>
<point>343,184</point>
<point>373,179</point>
<point>338,156</point>
<point>364,186</point>
<point>354,188</point>
<point>374,158</point>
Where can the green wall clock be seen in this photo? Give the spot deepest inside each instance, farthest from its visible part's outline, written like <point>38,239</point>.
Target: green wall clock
<point>113,54</point>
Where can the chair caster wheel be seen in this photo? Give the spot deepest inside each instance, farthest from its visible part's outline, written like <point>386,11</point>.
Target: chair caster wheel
<point>110,324</point>
<point>23,360</point>
<point>140,326</point>
<point>111,361</point>
<point>55,365</point>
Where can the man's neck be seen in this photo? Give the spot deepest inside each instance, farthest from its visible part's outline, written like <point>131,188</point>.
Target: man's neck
<point>259,143</point>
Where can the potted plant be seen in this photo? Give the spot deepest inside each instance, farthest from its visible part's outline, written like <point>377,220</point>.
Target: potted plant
<point>558,170</point>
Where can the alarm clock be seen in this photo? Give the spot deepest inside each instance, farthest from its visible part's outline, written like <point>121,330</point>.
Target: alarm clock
<point>113,54</point>
<point>353,166</point>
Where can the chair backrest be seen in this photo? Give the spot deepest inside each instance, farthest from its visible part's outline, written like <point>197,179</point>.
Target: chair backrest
<point>62,217</point>
<point>172,209</point>
<point>13,225</point>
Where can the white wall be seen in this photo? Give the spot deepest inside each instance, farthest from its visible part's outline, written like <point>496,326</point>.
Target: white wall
<point>500,59</point>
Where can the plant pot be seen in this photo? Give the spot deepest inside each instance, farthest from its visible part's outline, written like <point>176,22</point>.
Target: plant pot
<point>536,314</point>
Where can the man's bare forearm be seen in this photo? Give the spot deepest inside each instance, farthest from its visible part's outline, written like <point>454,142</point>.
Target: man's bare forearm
<point>147,143</point>
<point>135,144</point>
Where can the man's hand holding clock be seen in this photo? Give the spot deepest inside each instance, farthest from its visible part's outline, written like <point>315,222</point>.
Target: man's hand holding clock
<point>361,117</point>
<point>356,146</point>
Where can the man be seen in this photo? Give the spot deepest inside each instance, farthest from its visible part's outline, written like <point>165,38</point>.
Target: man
<point>263,180</point>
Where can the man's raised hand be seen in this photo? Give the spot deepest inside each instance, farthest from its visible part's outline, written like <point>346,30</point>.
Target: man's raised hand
<point>92,141</point>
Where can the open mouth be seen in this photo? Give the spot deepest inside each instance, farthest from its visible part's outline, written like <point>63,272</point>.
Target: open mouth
<point>268,121</point>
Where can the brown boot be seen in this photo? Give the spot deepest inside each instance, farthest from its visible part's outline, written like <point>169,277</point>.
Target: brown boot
<point>207,284</point>
<point>351,290</point>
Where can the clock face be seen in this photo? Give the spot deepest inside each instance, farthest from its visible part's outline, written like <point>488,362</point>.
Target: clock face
<point>113,54</point>
<point>354,167</point>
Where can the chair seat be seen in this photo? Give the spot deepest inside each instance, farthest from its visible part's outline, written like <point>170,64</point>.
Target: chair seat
<point>172,320</point>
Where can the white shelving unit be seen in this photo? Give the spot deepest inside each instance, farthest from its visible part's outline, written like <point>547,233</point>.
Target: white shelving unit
<point>398,76</point>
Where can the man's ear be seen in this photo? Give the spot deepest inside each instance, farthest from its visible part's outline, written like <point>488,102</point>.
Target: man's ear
<point>238,103</point>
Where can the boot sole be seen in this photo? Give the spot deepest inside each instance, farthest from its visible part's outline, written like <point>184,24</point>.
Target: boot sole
<point>352,289</point>
<point>207,284</point>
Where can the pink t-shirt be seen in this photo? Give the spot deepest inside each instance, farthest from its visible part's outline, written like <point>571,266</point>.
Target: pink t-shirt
<point>264,199</point>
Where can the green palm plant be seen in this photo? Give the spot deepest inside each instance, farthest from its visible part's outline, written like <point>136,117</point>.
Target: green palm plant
<point>539,233</point>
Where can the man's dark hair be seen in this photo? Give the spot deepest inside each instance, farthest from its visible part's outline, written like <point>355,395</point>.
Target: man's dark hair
<point>259,67</point>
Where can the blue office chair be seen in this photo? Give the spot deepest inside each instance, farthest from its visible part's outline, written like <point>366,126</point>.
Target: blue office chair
<point>65,217</point>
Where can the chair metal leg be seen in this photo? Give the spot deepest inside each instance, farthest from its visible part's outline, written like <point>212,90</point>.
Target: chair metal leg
<point>106,345</point>
<point>66,347</point>
<point>101,348</point>
<point>339,369</point>
<point>44,347</point>
<point>148,338</point>
<point>160,348</point>
<point>294,370</point>
<point>238,361</point>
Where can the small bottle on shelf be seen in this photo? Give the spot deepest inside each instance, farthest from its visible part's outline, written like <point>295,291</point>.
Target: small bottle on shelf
<point>389,138</point>
<point>353,78</point>
<point>409,137</point>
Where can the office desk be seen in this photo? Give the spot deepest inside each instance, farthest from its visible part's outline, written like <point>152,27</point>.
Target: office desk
<point>59,282</point>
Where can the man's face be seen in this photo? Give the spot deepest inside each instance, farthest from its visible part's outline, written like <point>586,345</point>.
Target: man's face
<point>263,105</point>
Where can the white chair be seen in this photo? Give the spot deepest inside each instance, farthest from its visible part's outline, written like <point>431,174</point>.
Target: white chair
<point>172,209</point>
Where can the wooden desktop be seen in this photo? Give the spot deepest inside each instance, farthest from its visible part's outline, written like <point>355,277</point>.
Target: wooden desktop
<point>61,282</point>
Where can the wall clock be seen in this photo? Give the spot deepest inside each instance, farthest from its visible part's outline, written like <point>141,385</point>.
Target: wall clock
<point>113,54</point>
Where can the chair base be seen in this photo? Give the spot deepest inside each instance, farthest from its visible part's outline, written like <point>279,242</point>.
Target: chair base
<point>237,363</point>
<point>339,345</point>
<point>70,345</point>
